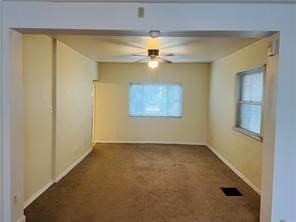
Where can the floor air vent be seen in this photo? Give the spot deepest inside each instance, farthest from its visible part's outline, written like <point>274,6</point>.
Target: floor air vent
<point>231,191</point>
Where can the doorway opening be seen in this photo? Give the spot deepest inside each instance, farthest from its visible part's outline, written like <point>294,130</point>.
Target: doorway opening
<point>204,63</point>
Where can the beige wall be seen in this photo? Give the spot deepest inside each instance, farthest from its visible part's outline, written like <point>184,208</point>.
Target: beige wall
<point>243,152</point>
<point>75,75</point>
<point>37,68</point>
<point>112,122</point>
<point>73,88</point>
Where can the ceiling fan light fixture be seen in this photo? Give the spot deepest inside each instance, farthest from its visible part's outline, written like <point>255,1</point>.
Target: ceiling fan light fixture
<point>154,33</point>
<point>153,64</point>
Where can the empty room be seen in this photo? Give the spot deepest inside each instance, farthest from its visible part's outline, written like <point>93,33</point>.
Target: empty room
<point>144,126</point>
<point>147,110</point>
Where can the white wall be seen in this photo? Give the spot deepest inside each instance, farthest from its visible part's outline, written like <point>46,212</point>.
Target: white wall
<point>269,128</point>
<point>284,168</point>
<point>169,17</point>
<point>113,123</point>
<point>75,75</point>
<point>37,71</point>
<point>1,148</point>
<point>242,151</point>
<point>17,153</point>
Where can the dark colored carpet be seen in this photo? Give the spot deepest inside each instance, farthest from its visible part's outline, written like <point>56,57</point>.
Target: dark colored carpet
<point>147,183</point>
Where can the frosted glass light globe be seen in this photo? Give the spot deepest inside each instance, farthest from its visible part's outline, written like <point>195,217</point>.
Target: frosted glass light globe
<point>153,64</point>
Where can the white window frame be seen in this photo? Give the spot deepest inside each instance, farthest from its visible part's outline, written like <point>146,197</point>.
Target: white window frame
<point>238,101</point>
<point>156,83</point>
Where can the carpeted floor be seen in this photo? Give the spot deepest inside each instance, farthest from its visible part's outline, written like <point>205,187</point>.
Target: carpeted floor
<point>146,183</point>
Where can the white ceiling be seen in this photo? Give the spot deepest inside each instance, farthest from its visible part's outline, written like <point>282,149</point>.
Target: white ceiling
<point>186,49</point>
<point>169,1</point>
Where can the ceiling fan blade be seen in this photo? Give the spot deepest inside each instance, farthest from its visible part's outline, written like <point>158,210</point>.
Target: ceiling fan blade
<point>161,59</point>
<point>141,60</point>
<point>139,54</point>
<point>167,55</point>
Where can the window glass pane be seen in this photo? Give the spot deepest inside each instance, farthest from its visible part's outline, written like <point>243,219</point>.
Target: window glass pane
<point>252,87</point>
<point>160,99</point>
<point>174,100</point>
<point>137,100</point>
<point>155,99</point>
<point>250,117</point>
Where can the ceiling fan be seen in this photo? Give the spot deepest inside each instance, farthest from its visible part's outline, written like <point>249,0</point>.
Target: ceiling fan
<point>153,57</point>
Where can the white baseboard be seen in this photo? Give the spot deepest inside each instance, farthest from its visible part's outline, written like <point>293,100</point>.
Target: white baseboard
<point>44,188</point>
<point>153,142</point>
<point>37,194</point>
<point>22,219</point>
<point>236,171</point>
<point>66,171</point>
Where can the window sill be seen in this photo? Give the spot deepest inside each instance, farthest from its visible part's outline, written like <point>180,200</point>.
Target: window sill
<point>248,133</point>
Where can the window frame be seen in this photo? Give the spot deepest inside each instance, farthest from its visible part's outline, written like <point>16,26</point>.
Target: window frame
<point>238,102</point>
<point>156,83</point>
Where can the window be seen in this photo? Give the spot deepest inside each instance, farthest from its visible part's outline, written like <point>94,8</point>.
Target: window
<point>155,99</point>
<point>249,101</point>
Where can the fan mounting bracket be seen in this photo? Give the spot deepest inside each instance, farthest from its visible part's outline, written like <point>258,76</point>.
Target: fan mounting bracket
<point>153,52</point>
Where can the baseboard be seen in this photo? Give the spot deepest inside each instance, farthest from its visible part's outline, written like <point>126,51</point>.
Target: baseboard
<point>66,171</point>
<point>22,219</point>
<point>153,142</point>
<point>44,188</point>
<point>236,171</point>
<point>37,194</point>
